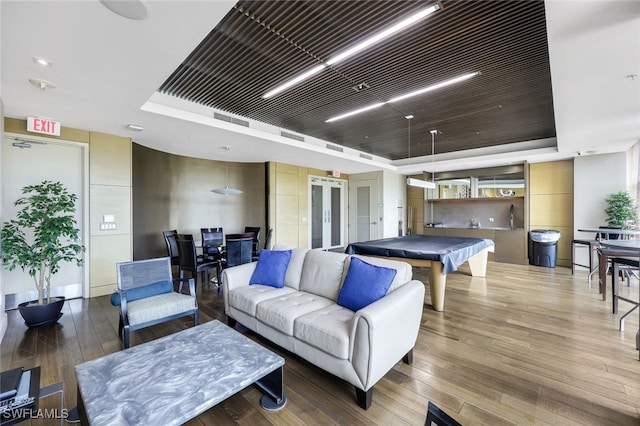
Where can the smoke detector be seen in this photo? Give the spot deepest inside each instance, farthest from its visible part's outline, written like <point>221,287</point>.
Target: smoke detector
<point>42,84</point>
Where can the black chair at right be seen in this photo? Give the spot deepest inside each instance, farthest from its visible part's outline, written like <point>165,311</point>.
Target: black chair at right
<point>256,239</point>
<point>239,249</point>
<point>439,417</point>
<point>189,260</point>
<point>172,246</point>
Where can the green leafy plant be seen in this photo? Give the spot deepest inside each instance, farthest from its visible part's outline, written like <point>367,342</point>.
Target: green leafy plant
<point>621,210</point>
<point>43,235</point>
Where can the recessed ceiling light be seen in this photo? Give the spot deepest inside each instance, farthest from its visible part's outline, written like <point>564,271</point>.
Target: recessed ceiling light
<point>42,61</point>
<point>135,127</point>
<point>130,9</point>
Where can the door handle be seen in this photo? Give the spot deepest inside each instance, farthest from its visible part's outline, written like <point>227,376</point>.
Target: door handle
<point>373,223</point>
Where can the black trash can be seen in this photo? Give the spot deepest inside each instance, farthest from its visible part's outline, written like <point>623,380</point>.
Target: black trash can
<point>543,247</point>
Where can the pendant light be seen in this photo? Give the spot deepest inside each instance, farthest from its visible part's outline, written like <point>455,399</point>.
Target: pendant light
<point>419,182</point>
<point>226,190</point>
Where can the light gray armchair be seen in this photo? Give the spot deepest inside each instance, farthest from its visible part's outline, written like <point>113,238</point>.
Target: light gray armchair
<point>146,295</point>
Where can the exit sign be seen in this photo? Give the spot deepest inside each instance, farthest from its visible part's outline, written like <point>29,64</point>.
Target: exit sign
<point>43,125</point>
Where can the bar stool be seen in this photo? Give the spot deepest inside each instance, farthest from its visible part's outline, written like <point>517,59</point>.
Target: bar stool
<point>626,265</point>
<point>592,245</point>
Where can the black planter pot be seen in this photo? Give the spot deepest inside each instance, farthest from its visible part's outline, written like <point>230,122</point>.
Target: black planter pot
<point>35,315</point>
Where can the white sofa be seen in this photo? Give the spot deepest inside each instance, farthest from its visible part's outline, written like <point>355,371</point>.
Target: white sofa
<point>304,318</point>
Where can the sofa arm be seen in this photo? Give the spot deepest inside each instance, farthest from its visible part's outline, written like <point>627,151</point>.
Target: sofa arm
<point>385,331</point>
<point>234,277</point>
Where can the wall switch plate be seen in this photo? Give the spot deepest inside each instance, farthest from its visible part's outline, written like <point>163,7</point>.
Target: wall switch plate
<point>107,226</point>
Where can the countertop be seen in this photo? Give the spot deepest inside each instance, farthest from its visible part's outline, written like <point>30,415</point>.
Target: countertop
<point>479,228</point>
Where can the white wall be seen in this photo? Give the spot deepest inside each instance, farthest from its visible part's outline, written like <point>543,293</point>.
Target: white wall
<point>3,314</point>
<point>594,178</point>
<point>394,195</point>
<point>391,194</point>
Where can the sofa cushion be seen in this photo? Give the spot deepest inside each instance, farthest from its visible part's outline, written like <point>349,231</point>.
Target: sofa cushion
<point>143,292</point>
<point>322,273</point>
<point>294,270</point>
<point>281,312</point>
<point>246,298</point>
<point>404,270</point>
<point>364,284</point>
<point>327,329</point>
<point>271,268</point>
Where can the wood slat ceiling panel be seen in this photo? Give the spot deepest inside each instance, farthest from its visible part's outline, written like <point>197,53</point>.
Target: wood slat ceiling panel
<point>261,44</point>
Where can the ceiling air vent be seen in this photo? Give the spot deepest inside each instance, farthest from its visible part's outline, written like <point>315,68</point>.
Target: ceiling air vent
<point>230,119</point>
<point>366,156</point>
<point>335,148</point>
<point>292,136</point>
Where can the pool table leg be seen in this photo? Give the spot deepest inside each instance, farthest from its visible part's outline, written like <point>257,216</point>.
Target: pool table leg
<point>437,284</point>
<point>478,263</point>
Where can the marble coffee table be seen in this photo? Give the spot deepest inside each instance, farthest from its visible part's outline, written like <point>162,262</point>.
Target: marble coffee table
<point>173,379</point>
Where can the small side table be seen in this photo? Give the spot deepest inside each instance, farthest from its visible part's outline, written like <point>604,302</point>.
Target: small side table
<point>38,393</point>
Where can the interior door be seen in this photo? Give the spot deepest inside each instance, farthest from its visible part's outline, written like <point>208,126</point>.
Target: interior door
<point>28,161</point>
<point>327,212</point>
<point>364,205</point>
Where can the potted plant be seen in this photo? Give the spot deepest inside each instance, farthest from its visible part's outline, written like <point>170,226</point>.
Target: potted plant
<point>620,210</point>
<point>43,236</point>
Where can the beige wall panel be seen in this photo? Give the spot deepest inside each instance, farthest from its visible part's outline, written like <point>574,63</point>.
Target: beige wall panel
<point>287,182</point>
<point>101,290</point>
<point>551,211</point>
<point>288,234</point>
<point>114,200</point>
<point>106,251</point>
<point>551,178</point>
<point>110,159</point>
<point>564,245</point>
<point>303,236</point>
<point>286,210</point>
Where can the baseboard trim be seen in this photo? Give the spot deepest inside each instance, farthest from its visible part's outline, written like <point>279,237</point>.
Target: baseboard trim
<point>72,291</point>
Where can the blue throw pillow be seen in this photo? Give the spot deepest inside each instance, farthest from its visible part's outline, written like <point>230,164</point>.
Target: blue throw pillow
<point>271,268</point>
<point>365,283</point>
<point>143,292</point>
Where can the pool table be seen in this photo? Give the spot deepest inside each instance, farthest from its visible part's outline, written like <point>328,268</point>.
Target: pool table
<point>441,254</point>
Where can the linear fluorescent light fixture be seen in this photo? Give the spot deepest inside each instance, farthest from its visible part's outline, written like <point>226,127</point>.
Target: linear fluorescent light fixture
<point>370,41</point>
<point>407,95</point>
<point>420,183</point>
<point>357,111</point>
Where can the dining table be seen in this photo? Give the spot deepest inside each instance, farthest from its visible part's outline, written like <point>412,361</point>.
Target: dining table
<point>618,248</point>
<point>626,233</point>
<point>614,248</point>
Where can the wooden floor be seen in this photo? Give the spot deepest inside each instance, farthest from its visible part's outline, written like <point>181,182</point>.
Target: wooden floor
<point>526,345</point>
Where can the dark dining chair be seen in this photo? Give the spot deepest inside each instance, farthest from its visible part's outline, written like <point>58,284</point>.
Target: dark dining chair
<point>172,247</point>
<point>239,249</point>
<point>256,239</point>
<point>213,248</point>
<point>435,415</point>
<point>190,261</point>
<point>267,245</point>
<point>267,239</point>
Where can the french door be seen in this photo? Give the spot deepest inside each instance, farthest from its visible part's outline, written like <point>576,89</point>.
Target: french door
<point>327,211</point>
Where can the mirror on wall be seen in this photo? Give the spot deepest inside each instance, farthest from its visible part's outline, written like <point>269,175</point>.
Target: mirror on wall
<point>494,182</point>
